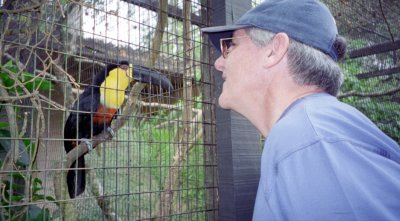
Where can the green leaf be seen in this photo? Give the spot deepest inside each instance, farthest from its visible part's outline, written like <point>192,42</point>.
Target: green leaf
<point>37,185</point>
<point>50,198</point>
<point>37,181</point>
<point>35,189</point>
<point>16,198</point>
<point>38,197</point>
<point>4,125</point>
<point>16,175</point>
<point>7,81</point>
<point>30,147</point>
<point>30,81</point>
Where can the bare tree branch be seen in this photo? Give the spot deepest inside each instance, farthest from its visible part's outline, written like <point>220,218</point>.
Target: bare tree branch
<point>182,149</point>
<point>372,94</point>
<point>35,7</point>
<point>13,154</point>
<point>386,21</point>
<point>103,201</point>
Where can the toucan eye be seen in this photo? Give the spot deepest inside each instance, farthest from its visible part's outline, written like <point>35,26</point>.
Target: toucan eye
<point>124,67</point>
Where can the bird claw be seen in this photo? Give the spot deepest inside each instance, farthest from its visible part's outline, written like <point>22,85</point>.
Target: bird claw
<point>88,144</point>
<point>111,131</point>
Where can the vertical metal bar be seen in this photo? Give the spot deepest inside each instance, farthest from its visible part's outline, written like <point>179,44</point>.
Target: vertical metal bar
<point>238,151</point>
<point>210,169</point>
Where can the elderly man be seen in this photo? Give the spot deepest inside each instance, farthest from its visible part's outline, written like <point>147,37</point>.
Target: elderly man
<point>322,159</point>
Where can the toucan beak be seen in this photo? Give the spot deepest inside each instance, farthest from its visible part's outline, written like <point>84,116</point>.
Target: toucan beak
<point>150,76</point>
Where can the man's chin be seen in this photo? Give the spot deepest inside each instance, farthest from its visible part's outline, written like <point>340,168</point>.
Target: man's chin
<point>222,103</point>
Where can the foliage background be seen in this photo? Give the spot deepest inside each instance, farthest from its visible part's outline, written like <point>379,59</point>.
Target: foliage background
<point>51,49</point>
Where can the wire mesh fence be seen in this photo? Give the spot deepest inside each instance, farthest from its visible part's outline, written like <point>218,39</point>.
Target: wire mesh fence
<point>70,67</point>
<point>159,163</point>
<point>371,68</point>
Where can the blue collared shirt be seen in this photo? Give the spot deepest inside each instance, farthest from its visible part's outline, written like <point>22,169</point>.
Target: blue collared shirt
<point>324,160</point>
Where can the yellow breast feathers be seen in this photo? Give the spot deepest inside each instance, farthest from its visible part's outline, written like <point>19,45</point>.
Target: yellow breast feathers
<point>112,90</point>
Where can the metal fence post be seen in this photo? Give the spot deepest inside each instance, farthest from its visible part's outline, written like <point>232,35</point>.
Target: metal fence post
<point>237,140</point>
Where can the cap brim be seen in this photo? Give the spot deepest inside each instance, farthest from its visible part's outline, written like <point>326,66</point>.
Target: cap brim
<point>218,32</point>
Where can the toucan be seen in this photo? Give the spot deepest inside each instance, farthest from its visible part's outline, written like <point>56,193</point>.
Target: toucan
<point>97,106</point>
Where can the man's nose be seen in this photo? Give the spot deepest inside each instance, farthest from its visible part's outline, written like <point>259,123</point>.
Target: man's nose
<point>220,64</point>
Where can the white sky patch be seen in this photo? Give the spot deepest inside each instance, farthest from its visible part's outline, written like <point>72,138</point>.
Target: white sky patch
<point>121,23</point>
<point>118,22</point>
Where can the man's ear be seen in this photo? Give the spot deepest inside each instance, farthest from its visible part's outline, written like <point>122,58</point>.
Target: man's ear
<point>277,49</point>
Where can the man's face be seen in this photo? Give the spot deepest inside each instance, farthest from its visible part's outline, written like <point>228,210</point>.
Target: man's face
<point>241,69</point>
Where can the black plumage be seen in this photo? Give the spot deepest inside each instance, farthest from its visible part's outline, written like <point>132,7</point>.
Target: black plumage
<point>89,117</point>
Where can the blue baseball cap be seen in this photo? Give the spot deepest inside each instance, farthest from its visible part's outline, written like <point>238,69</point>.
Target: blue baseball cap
<point>306,21</point>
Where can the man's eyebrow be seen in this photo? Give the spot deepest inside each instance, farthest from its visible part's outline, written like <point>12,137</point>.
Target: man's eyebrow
<point>235,34</point>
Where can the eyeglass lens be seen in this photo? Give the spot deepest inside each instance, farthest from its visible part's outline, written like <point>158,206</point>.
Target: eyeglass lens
<point>225,44</point>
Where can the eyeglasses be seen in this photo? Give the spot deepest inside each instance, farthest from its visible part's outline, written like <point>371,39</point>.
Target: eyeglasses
<point>226,43</point>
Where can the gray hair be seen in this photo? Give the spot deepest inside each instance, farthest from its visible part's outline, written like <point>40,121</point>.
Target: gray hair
<point>308,66</point>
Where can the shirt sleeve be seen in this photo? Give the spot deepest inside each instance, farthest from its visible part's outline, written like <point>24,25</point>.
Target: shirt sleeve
<point>336,181</point>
